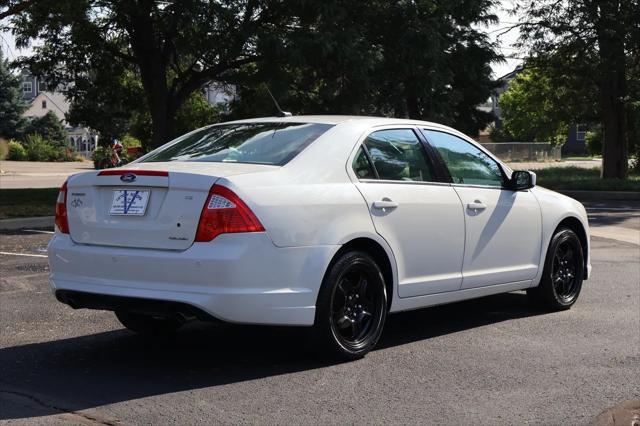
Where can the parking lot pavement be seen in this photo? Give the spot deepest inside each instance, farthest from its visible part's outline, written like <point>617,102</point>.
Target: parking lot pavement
<point>615,220</point>
<point>489,361</point>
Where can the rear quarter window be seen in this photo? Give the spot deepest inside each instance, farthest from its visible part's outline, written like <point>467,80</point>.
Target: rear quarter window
<point>257,143</point>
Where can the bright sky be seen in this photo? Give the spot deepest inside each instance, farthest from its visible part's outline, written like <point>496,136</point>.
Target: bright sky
<point>506,41</point>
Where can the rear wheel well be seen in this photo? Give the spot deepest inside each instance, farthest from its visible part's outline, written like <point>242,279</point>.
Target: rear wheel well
<point>375,250</point>
<point>576,226</point>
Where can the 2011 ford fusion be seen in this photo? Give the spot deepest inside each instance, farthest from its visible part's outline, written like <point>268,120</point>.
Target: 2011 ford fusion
<point>324,221</point>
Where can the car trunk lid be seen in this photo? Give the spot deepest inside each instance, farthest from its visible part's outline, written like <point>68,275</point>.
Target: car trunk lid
<point>149,205</point>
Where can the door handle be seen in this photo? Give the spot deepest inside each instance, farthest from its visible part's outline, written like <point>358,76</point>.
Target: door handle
<point>385,203</point>
<point>477,205</point>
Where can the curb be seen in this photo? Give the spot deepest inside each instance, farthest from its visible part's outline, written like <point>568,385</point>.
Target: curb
<point>27,223</point>
<point>601,195</point>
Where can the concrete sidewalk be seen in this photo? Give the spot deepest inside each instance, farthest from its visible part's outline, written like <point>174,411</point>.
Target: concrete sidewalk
<point>35,174</point>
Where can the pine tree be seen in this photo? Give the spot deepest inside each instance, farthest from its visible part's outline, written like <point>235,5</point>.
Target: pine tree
<point>11,104</point>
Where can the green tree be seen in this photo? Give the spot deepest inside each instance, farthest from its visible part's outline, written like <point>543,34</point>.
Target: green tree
<point>49,128</point>
<point>423,59</point>
<point>13,7</point>
<point>596,42</point>
<point>11,104</point>
<point>194,113</point>
<point>105,99</point>
<point>541,106</point>
<point>175,47</point>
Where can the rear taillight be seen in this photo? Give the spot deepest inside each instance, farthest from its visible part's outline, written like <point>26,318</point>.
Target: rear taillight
<point>225,213</point>
<point>62,222</point>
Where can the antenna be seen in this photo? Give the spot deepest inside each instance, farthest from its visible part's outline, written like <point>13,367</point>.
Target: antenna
<point>281,113</point>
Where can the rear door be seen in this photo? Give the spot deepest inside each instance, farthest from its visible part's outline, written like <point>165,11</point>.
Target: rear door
<point>503,227</point>
<point>420,218</point>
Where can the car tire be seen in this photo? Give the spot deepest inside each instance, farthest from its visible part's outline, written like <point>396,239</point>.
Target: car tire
<point>352,307</point>
<point>147,324</point>
<point>563,273</point>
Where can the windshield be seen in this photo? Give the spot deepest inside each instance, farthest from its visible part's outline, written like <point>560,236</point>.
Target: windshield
<point>259,143</point>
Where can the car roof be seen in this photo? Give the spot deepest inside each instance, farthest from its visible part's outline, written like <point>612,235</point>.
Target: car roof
<point>336,119</point>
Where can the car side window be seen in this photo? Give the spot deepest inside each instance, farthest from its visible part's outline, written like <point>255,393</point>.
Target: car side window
<point>362,167</point>
<point>466,163</point>
<point>397,154</point>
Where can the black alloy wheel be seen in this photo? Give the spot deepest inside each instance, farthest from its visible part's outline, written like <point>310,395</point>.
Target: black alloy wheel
<point>563,272</point>
<point>352,306</point>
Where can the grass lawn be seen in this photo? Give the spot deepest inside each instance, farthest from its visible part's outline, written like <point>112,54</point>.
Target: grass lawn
<point>577,178</point>
<point>581,158</point>
<point>27,202</point>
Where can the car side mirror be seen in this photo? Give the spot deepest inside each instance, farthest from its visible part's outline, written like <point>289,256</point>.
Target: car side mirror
<point>522,179</point>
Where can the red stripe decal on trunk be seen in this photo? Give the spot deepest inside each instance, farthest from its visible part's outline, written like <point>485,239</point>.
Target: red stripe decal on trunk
<point>133,172</point>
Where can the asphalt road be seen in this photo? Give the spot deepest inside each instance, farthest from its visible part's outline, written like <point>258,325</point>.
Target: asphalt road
<point>489,361</point>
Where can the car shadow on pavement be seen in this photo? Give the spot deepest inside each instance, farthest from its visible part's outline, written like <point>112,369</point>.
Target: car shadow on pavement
<point>94,370</point>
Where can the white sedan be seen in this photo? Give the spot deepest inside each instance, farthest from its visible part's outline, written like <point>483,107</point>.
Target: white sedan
<point>323,221</point>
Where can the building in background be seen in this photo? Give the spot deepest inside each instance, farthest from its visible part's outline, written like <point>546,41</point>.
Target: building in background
<point>41,100</point>
<point>493,103</point>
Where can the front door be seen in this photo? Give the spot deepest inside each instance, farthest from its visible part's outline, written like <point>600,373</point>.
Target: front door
<point>503,227</point>
<point>421,219</point>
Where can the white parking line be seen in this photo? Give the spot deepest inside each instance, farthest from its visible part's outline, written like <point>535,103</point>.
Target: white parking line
<point>37,231</point>
<point>22,254</point>
<point>623,209</point>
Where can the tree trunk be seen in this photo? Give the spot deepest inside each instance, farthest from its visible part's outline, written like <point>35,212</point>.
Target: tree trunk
<point>613,91</point>
<point>152,62</point>
<point>615,160</point>
<point>162,123</point>
<point>412,106</point>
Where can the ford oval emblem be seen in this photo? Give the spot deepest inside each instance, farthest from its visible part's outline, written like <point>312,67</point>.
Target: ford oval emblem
<point>128,177</point>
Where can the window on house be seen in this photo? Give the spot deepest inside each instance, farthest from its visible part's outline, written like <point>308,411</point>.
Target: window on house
<point>581,132</point>
<point>44,104</point>
<point>27,87</point>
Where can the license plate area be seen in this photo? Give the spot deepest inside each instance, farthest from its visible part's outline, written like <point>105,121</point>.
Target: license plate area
<point>129,202</point>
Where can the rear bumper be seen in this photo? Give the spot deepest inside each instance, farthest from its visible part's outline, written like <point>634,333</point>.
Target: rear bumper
<point>79,300</point>
<point>240,278</point>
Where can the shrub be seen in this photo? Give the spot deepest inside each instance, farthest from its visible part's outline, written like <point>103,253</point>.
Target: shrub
<point>4,149</point>
<point>129,141</point>
<point>68,154</point>
<point>593,141</point>
<point>50,128</point>
<point>16,151</point>
<point>101,154</point>
<point>40,150</point>
<point>132,148</point>
<point>499,134</point>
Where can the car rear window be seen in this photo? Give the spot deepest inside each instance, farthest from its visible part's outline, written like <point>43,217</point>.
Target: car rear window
<point>257,143</point>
